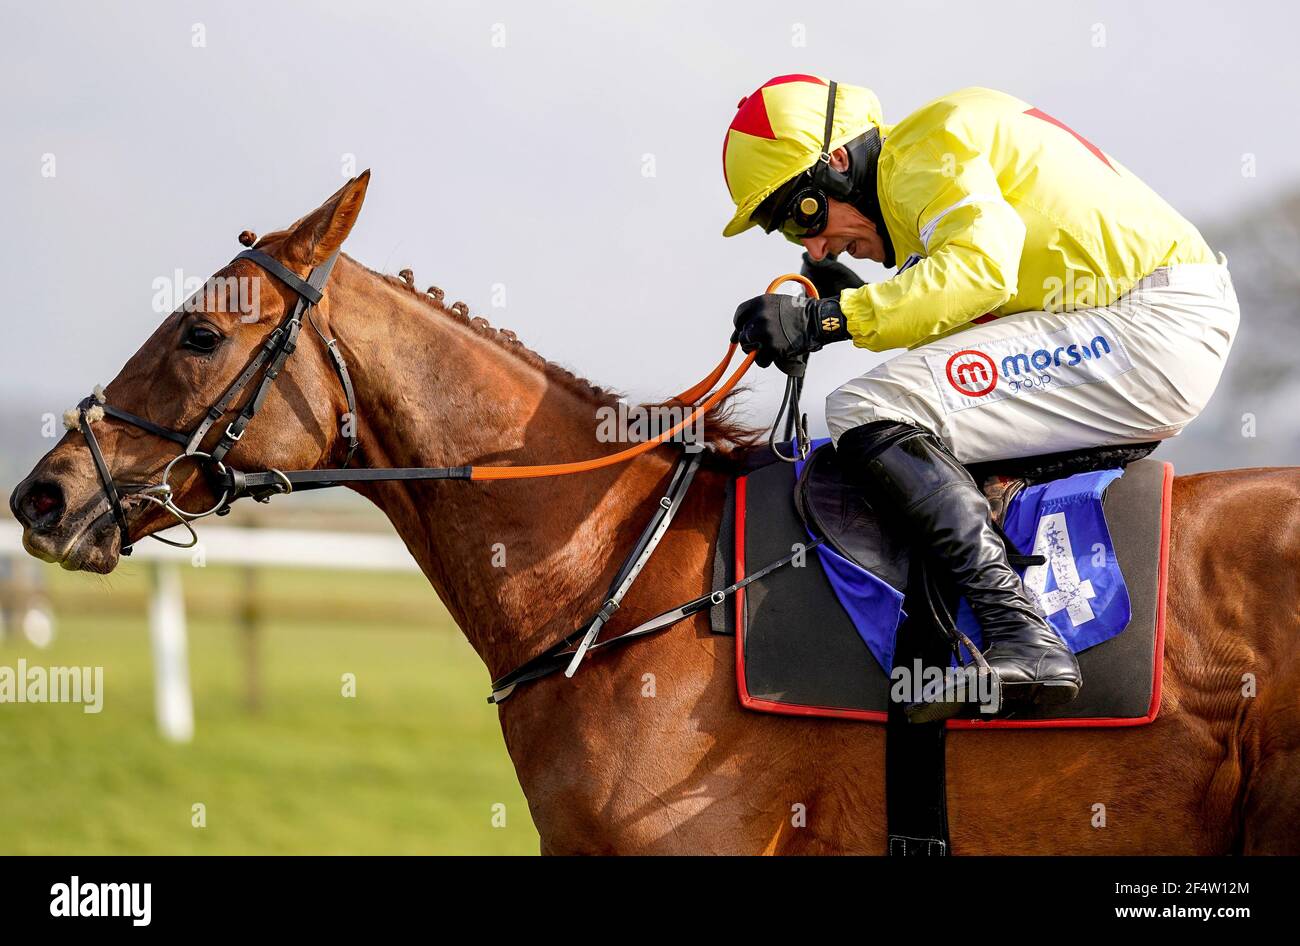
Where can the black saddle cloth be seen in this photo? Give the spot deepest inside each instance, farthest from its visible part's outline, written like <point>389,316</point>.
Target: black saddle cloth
<point>799,653</point>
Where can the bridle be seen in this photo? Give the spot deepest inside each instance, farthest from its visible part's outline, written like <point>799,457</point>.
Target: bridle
<point>231,484</point>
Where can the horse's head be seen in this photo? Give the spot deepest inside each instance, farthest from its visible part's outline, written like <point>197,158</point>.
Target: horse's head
<point>66,504</point>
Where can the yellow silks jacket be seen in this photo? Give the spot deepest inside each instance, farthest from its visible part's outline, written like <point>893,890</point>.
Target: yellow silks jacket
<point>1008,210</point>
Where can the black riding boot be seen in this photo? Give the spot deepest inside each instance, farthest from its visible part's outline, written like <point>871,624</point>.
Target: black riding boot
<point>934,499</point>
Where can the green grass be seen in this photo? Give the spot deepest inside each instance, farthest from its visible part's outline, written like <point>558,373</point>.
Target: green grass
<point>413,764</point>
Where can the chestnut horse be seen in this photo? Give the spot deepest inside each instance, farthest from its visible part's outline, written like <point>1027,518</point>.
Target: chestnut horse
<point>646,749</point>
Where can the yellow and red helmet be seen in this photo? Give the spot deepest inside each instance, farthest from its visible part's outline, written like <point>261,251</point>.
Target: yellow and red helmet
<point>778,133</point>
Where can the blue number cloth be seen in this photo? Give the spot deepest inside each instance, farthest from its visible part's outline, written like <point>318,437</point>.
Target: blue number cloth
<point>1080,589</point>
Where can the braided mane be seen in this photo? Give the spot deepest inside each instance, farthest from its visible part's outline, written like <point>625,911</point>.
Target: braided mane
<point>726,434</point>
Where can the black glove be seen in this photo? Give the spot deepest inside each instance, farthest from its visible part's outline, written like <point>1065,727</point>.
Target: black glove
<point>783,328</point>
<point>830,277</point>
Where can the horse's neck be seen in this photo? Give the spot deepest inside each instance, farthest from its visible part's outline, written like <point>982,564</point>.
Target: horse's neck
<point>517,563</point>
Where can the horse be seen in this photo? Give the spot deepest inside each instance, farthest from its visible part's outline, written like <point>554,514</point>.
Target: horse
<point>646,749</point>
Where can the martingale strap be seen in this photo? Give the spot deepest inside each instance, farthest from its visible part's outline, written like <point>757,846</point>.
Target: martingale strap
<point>557,658</point>
<point>563,655</point>
<point>663,516</point>
<point>584,636</point>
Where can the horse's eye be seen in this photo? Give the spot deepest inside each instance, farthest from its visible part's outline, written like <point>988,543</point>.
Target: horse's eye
<point>201,338</point>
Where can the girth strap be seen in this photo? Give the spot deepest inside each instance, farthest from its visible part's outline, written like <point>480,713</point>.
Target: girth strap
<point>916,798</point>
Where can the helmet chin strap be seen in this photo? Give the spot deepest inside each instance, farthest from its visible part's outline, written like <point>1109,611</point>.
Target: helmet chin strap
<point>857,185</point>
<point>864,157</point>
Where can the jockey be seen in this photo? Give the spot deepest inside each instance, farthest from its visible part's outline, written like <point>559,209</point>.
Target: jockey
<point>1047,298</point>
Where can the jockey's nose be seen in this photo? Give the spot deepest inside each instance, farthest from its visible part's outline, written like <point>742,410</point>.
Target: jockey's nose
<point>38,503</point>
<point>816,247</point>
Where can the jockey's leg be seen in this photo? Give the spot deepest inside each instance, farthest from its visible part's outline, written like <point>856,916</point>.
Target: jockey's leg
<point>939,506</point>
<point>1034,382</point>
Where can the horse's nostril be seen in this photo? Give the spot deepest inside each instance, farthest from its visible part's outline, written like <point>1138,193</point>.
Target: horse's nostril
<point>40,504</point>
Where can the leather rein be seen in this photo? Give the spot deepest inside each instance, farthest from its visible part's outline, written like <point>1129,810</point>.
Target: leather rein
<point>231,484</point>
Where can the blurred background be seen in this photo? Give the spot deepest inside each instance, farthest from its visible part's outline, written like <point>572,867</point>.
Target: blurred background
<point>555,166</point>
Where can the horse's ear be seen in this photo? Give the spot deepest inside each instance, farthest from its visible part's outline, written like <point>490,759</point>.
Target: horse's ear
<point>318,236</point>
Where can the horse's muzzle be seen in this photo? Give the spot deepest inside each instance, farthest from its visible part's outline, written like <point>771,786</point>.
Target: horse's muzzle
<point>77,533</point>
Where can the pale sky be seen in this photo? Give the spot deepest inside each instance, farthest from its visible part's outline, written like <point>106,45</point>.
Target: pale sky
<point>511,143</point>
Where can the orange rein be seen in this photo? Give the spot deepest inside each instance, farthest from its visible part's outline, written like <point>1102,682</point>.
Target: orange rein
<point>689,396</point>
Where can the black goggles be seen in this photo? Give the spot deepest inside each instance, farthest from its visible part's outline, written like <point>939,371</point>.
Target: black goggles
<point>798,209</point>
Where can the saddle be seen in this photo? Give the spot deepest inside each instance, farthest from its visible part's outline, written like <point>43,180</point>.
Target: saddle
<point>822,640</point>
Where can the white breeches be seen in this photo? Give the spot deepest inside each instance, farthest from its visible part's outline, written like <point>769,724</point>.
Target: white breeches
<point>1043,382</point>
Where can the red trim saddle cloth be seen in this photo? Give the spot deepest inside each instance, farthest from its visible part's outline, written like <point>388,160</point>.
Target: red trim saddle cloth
<point>798,653</point>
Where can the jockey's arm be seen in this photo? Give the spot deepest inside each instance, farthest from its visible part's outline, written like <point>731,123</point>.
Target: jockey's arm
<point>972,239</point>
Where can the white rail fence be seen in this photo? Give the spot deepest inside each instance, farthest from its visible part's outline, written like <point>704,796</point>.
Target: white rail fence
<point>254,548</point>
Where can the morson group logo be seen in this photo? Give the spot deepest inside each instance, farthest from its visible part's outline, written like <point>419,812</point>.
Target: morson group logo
<point>1042,359</point>
<point>972,372</point>
<point>975,374</point>
<point>1083,352</point>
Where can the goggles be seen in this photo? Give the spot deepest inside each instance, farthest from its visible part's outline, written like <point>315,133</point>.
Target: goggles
<point>799,209</point>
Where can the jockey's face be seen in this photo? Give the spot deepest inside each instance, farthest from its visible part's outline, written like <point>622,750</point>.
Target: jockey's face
<point>847,228</point>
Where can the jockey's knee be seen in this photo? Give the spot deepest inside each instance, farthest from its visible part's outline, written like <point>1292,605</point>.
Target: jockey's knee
<point>854,405</point>
<point>846,410</point>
